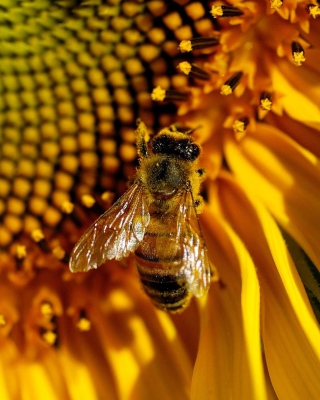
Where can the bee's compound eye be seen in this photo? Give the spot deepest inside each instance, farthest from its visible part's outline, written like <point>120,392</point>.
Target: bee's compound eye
<point>187,150</point>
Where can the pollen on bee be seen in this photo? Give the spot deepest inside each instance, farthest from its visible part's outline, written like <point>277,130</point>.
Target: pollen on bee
<point>225,11</point>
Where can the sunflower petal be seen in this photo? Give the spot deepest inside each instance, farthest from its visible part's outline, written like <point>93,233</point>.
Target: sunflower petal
<point>286,178</point>
<point>289,330</point>
<point>229,363</point>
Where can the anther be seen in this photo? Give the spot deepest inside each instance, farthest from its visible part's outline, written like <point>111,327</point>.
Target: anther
<point>314,10</point>
<point>21,253</point>
<point>225,12</point>
<point>83,324</point>
<point>193,71</point>
<point>38,236</point>
<point>276,4</point>
<point>297,54</point>
<point>46,309</point>
<point>231,84</point>
<point>159,94</point>
<point>186,46</point>
<point>266,101</point>
<point>49,336</point>
<point>240,125</point>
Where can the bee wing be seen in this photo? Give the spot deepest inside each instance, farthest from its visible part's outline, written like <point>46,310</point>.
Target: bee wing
<point>195,254</point>
<point>115,234</point>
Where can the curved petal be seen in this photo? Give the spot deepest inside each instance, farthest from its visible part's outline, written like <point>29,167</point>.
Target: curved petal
<point>289,330</point>
<point>141,344</point>
<point>285,177</point>
<point>229,363</point>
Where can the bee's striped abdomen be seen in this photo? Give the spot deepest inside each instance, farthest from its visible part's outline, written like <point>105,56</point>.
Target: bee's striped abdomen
<point>160,261</point>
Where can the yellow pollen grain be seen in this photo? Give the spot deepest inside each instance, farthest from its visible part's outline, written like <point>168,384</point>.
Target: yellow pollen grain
<point>158,94</point>
<point>87,200</point>
<point>238,126</point>
<point>298,58</point>
<point>226,90</point>
<point>21,251</point>
<point>3,321</point>
<point>46,309</point>
<point>216,11</point>
<point>59,252</point>
<point>84,324</point>
<point>37,235</point>
<point>266,104</point>
<point>49,337</point>
<point>185,46</point>
<point>185,67</point>
<point>314,11</point>
<point>67,207</point>
<point>276,4</point>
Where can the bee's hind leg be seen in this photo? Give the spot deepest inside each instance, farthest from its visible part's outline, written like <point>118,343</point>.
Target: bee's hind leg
<point>141,135</point>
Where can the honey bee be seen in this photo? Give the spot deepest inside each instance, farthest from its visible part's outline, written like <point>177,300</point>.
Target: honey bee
<point>157,219</point>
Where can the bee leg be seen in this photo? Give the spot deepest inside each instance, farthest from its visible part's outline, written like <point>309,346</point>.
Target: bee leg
<point>141,133</point>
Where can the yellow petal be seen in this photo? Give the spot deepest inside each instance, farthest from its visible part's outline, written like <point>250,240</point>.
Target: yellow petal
<point>285,177</point>
<point>142,347</point>
<point>229,364</point>
<point>296,102</point>
<point>289,330</point>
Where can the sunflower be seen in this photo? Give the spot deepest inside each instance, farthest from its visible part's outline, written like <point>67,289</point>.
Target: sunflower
<point>74,77</point>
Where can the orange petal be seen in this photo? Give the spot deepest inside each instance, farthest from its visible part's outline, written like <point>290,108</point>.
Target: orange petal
<point>285,177</point>
<point>289,330</point>
<point>229,363</point>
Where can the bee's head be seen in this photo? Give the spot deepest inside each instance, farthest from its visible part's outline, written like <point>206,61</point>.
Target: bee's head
<point>174,144</point>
